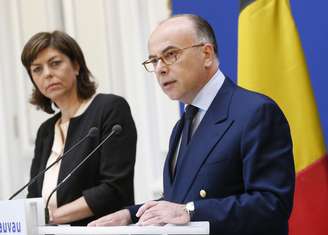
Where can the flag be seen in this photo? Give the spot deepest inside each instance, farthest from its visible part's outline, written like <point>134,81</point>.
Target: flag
<point>271,61</point>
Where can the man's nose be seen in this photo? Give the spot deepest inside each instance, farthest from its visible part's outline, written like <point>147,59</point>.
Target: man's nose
<point>161,68</point>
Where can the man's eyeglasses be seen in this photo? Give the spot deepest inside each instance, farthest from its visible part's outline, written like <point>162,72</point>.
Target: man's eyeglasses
<point>169,57</point>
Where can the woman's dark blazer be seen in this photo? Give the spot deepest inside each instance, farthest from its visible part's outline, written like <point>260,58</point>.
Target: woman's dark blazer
<point>106,179</point>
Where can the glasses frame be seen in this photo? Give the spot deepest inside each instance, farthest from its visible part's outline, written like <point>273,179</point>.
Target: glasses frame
<point>180,50</point>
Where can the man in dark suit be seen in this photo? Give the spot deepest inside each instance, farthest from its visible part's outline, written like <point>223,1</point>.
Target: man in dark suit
<point>230,159</point>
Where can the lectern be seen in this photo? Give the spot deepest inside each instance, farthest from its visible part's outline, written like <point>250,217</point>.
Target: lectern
<point>22,216</point>
<point>26,217</point>
<point>192,228</point>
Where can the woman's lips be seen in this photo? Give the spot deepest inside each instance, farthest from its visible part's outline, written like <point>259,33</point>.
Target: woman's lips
<point>52,86</point>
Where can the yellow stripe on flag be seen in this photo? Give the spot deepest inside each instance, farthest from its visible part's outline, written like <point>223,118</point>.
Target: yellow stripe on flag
<point>271,61</point>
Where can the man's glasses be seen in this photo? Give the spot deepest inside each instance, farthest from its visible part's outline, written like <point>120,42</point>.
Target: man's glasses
<point>169,57</point>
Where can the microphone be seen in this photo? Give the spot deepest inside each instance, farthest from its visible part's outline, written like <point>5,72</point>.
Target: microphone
<point>116,129</point>
<point>92,133</point>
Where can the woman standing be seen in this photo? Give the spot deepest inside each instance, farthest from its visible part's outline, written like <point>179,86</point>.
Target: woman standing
<point>104,184</point>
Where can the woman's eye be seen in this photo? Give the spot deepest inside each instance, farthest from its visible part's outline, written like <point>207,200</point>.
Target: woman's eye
<point>55,63</point>
<point>36,70</point>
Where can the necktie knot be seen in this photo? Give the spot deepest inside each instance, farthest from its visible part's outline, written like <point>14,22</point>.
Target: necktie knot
<point>190,112</point>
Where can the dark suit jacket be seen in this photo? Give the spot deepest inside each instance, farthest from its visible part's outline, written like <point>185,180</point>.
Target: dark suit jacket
<point>106,179</point>
<point>241,155</point>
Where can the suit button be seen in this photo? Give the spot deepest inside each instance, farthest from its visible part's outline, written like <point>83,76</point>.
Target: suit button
<point>202,193</point>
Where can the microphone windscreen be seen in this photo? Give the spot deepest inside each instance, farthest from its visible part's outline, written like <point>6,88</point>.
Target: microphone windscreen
<point>117,128</point>
<point>93,132</point>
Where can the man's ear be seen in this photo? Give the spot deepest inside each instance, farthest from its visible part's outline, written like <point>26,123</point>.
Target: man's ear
<point>209,55</point>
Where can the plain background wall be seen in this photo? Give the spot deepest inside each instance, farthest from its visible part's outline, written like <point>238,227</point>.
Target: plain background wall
<point>311,21</point>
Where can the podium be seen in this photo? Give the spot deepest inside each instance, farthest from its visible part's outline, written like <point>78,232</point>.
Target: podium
<point>22,216</point>
<point>26,217</point>
<point>191,228</point>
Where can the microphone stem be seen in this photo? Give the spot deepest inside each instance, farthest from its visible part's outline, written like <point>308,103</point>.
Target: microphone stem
<point>77,167</point>
<point>43,171</point>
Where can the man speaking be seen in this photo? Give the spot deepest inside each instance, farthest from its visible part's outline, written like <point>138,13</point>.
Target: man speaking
<point>230,159</point>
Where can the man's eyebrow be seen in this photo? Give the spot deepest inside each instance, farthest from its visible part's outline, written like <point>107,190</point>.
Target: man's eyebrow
<point>163,51</point>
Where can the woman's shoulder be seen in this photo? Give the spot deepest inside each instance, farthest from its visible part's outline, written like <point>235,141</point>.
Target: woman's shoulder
<point>48,125</point>
<point>106,97</point>
<point>109,100</point>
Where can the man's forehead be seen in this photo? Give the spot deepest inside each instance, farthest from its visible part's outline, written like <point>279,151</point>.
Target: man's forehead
<point>169,34</point>
<point>177,25</point>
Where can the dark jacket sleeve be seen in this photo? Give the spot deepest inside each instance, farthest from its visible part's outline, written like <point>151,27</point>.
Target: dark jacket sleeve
<point>133,211</point>
<point>117,159</point>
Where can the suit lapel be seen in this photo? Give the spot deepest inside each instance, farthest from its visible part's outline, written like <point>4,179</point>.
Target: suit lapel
<point>167,174</point>
<point>209,132</point>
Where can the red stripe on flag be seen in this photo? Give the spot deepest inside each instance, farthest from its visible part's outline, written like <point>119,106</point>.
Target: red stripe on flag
<point>310,212</point>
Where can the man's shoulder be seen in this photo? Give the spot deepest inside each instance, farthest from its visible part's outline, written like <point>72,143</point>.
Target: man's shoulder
<point>245,102</point>
<point>243,95</point>
<point>251,98</point>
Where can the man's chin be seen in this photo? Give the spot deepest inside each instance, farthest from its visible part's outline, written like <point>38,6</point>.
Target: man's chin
<point>173,97</point>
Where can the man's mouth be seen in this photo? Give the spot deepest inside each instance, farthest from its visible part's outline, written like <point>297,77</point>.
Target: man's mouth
<point>167,84</point>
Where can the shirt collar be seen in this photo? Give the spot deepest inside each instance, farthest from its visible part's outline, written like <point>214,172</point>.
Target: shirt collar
<point>207,94</point>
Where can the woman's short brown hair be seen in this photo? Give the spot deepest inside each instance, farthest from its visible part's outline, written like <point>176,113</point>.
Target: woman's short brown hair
<point>67,45</point>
